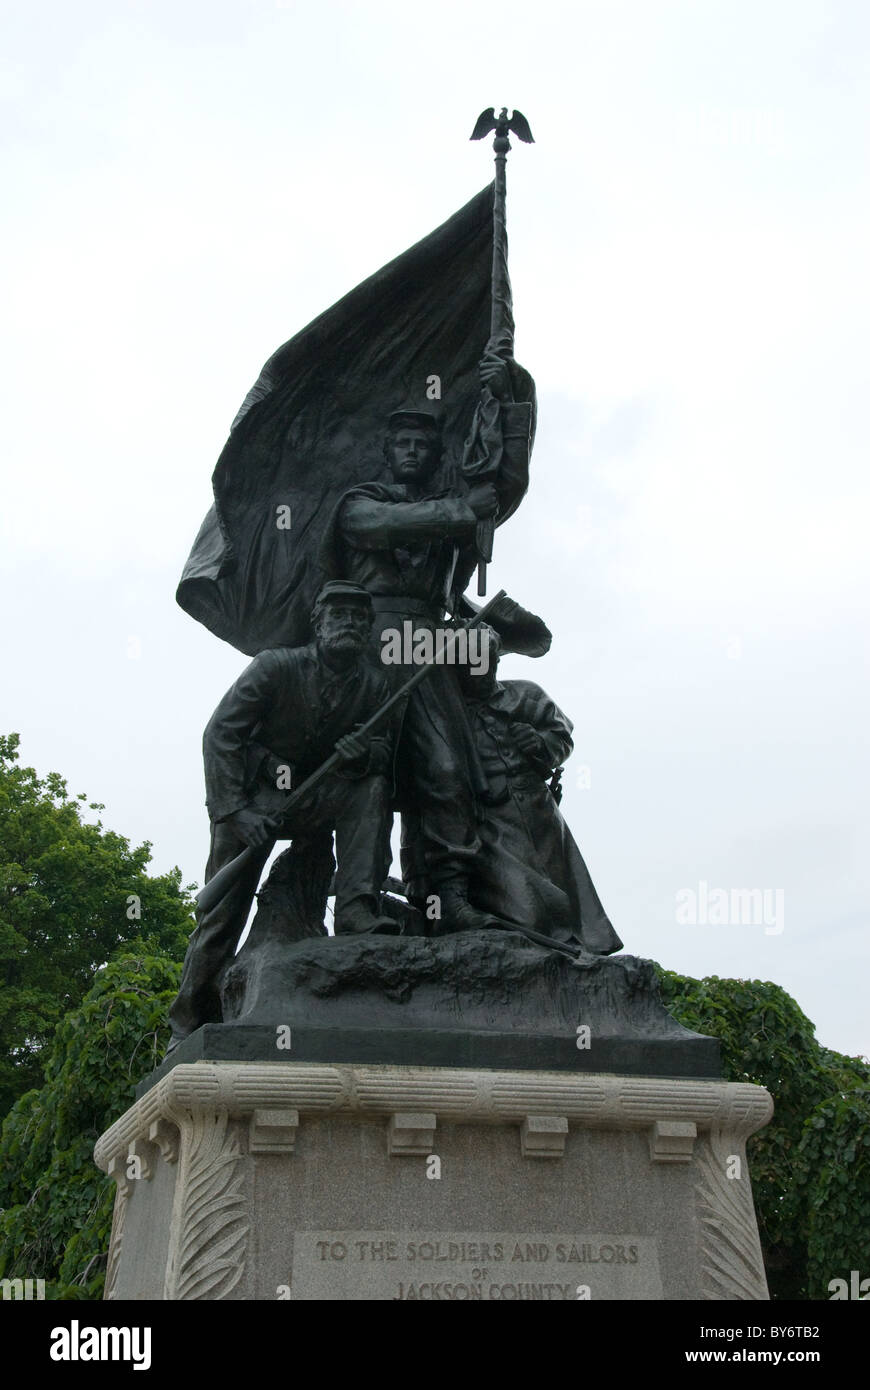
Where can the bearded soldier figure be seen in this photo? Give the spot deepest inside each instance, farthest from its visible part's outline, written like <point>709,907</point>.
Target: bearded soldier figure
<point>281,719</point>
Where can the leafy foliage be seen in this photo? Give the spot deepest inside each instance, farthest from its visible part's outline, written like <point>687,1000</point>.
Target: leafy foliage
<point>810,1166</point>
<point>58,1206</point>
<point>65,909</point>
<point>835,1149</point>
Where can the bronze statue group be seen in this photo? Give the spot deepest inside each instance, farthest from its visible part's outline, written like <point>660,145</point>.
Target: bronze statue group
<point>465,759</point>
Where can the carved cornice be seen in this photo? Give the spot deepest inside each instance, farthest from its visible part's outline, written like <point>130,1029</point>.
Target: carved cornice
<point>454,1096</point>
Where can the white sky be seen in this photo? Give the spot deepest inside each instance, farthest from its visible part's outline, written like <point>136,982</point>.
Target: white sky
<point>188,184</point>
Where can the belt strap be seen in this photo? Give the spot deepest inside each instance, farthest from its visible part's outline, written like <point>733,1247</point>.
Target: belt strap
<point>397,603</point>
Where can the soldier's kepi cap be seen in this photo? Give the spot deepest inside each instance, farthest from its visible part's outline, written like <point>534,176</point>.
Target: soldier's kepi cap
<point>411,418</point>
<point>342,589</point>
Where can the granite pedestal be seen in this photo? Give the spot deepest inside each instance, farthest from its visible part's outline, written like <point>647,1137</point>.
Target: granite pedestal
<point>303,1180</point>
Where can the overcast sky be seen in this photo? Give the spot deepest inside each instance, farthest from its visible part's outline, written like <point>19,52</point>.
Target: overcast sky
<point>188,184</point>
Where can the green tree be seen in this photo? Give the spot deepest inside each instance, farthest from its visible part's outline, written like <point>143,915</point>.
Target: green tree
<point>70,894</point>
<point>58,1205</point>
<point>810,1167</point>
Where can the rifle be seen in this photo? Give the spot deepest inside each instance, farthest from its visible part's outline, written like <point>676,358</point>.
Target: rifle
<point>221,882</point>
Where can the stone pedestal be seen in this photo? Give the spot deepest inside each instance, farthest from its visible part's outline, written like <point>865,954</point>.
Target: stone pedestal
<point>302,1180</point>
<point>471,1000</point>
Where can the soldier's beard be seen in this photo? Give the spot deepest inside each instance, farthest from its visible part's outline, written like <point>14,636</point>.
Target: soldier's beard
<point>343,644</point>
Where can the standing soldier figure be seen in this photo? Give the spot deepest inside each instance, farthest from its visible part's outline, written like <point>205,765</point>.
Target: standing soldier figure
<point>413,547</point>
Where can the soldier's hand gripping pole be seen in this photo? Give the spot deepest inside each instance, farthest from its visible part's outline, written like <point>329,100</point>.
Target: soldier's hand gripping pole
<point>501,329</point>
<point>223,880</point>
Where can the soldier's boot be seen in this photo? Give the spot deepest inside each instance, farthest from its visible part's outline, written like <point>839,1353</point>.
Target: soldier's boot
<point>356,918</point>
<point>457,913</point>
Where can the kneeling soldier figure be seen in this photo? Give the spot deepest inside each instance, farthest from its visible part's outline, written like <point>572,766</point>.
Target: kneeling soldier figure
<point>287,712</point>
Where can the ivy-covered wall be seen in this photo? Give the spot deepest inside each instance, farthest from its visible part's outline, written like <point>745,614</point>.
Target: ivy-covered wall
<point>810,1167</point>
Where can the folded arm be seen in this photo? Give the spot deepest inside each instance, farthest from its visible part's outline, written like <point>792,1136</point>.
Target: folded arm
<point>371,525</point>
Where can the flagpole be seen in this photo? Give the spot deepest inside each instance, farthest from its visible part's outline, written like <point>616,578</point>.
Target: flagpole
<point>501,327</point>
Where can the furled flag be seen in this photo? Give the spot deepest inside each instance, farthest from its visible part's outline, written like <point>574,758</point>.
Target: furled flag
<point>313,426</point>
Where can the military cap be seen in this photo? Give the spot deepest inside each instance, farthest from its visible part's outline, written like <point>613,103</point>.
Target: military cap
<point>414,419</point>
<point>342,589</point>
